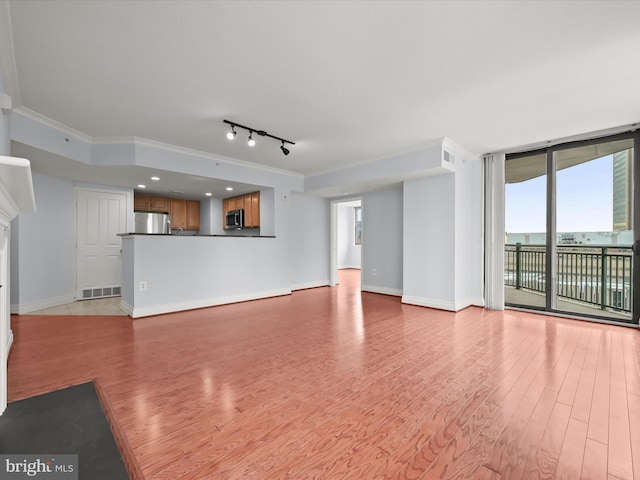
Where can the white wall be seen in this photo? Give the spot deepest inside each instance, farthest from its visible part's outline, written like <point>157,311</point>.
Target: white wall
<point>309,241</point>
<point>200,271</point>
<point>5,131</point>
<point>443,242</point>
<point>469,250</point>
<point>382,236</point>
<point>43,271</point>
<point>349,254</point>
<point>5,324</point>
<point>429,239</point>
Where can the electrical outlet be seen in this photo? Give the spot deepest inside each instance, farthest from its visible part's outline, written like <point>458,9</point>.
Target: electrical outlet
<point>290,269</point>
<point>143,286</point>
<point>374,271</point>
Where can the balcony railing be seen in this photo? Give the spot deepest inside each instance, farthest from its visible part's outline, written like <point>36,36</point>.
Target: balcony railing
<point>595,275</point>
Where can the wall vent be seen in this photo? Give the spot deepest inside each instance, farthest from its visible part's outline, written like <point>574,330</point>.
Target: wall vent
<point>90,293</point>
<point>449,157</point>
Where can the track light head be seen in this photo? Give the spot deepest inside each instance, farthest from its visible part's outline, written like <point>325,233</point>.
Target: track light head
<point>232,134</point>
<point>250,141</point>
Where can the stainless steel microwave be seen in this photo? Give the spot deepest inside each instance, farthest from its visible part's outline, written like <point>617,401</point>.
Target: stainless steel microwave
<point>234,220</point>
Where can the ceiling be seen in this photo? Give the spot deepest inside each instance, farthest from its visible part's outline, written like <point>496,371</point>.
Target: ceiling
<point>348,82</point>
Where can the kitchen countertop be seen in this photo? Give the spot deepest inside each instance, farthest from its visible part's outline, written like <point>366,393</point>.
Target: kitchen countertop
<point>193,235</point>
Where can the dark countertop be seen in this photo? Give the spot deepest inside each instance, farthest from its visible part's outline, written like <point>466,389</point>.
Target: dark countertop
<point>192,235</point>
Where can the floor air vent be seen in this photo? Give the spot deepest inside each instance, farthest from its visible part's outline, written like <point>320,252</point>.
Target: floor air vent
<point>89,293</point>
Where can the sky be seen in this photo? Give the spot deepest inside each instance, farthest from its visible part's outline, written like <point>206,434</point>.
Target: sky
<point>584,197</point>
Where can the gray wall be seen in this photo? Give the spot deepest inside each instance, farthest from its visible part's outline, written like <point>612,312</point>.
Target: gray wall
<point>382,241</point>
<point>45,244</point>
<point>309,241</point>
<point>5,132</point>
<point>429,241</point>
<point>469,228</point>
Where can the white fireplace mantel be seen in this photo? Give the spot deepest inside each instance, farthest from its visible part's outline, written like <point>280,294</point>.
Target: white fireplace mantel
<point>16,195</point>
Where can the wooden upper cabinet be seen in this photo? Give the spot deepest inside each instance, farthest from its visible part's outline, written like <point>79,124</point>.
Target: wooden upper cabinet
<point>141,202</point>
<point>252,210</point>
<point>160,204</point>
<point>193,215</point>
<point>148,203</point>
<point>178,213</point>
<point>250,203</point>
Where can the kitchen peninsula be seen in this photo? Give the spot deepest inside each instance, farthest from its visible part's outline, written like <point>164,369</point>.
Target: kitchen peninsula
<point>205,266</point>
<point>170,273</point>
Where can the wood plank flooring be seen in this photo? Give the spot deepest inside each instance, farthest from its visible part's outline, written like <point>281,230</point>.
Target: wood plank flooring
<point>330,383</point>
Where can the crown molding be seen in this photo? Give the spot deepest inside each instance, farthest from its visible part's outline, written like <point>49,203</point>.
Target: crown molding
<point>423,146</point>
<point>54,124</point>
<point>51,123</point>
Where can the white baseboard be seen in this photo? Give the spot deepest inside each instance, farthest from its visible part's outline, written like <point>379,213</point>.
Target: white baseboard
<point>442,305</point>
<point>476,302</point>
<point>304,286</point>
<point>41,304</point>
<point>137,312</point>
<point>396,292</point>
<point>429,302</point>
<point>126,308</point>
<point>9,343</point>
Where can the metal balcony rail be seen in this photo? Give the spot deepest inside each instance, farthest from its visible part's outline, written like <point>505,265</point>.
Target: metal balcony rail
<point>599,275</point>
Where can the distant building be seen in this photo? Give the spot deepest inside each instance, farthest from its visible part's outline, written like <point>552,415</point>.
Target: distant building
<point>572,238</point>
<point>622,194</point>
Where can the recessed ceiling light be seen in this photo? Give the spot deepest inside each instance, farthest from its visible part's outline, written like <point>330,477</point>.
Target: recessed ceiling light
<point>229,189</point>
<point>155,179</point>
<point>142,186</point>
<point>208,194</point>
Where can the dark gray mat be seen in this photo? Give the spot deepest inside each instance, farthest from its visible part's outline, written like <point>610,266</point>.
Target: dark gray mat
<point>68,421</point>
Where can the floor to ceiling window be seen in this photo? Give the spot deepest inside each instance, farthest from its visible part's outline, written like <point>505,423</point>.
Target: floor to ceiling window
<point>570,228</point>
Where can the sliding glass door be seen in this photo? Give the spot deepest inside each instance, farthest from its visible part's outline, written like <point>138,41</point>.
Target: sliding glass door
<point>571,227</point>
<point>526,227</point>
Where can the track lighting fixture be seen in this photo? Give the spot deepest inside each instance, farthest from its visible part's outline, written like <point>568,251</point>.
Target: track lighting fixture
<point>232,134</point>
<point>251,142</point>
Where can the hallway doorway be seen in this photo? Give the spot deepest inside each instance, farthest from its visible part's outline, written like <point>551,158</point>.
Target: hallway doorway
<point>347,238</point>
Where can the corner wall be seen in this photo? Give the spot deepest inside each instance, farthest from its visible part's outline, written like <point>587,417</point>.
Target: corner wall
<point>443,242</point>
<point>45,248</point>
<point>309,241</point>
<point>382,237</point>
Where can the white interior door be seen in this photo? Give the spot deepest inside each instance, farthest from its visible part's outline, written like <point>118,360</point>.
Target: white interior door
<point>100,216</point>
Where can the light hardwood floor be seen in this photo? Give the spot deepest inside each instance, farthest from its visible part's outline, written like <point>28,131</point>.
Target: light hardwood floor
<point>330,383</point>
<point>99,306</point>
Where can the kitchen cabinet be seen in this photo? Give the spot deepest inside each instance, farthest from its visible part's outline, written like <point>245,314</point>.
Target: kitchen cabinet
<point>148,203</point>
<point>250,203</point>
<point>193,215</point>
<point>184,213</point>
<point>141,203</point>
<point>252,210</point>
<point>178,213</point>
<point>159,204</point>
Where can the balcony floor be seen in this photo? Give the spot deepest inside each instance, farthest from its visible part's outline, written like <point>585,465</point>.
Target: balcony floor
<point>537,299</point>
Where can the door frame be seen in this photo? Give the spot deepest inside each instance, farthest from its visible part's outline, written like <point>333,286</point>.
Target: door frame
<point>333,242</point>
<point>100,189</point>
